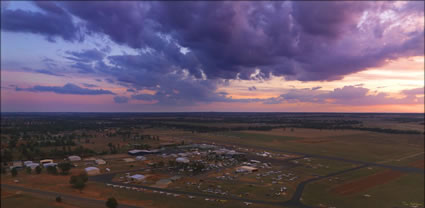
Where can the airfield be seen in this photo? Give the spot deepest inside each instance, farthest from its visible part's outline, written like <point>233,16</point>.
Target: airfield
<point>243,166</point>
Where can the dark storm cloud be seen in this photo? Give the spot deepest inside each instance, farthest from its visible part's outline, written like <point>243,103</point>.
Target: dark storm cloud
<point>229,40</point>
<point>66,89</point>
<point>327,19</point>
<point>52,22</point>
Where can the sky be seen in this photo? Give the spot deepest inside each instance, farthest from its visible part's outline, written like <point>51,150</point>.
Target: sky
<point>237,56</point>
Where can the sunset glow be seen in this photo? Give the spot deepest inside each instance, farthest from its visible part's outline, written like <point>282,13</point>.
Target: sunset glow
<point>212,56</point>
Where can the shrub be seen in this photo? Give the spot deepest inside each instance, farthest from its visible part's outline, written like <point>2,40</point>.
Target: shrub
<point>38,169</point>
<point>111,202</point>
<point>14,172</point>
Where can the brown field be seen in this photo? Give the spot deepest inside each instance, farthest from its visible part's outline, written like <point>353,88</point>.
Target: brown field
<point>418,164</point>
<point>367,182</point>
<point>308,133</point>
<point>373,180</point>
<point>313,141</point>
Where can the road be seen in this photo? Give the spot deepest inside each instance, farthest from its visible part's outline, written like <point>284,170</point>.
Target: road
<point>295,200</point>
<point>72,199</point>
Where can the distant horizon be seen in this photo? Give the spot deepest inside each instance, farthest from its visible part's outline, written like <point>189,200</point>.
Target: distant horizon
<point>219,112</point>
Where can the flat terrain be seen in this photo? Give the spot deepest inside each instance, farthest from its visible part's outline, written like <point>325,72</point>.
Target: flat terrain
<point>355,160</point>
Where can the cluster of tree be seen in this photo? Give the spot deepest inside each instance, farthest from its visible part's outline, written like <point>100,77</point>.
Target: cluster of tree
<point>79,181</point>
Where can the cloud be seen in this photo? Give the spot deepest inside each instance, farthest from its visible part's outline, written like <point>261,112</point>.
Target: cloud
<point>347,95</point>
<point>66,89</point>
<point>44,71</point>
<point>89,85</point>
<point>253,88</point>
<point>87,55</point>
<point>228,41</point>
<point>121,99</point>
<point>54,21</point>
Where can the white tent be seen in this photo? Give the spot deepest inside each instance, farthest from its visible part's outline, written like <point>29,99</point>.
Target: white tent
<point>32,165</point>
<point>244,169</point>
<point>140,158</point>
<point>92,170</point>
<point>49,164</point>
<point>182,160</point>
<point>100,162</point>
<point>74,158</point>
<point>137,177</point>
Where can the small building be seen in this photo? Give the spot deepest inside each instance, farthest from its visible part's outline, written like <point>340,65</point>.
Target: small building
<point>128,160</point>
<point>140,158</point>
<point>49,164</point>
<point>42,162</point>
<point>32,165</point>
<point>182,160</point>
<point>100,162</point>
<point>16,164</point>
<point>90,159</point>
<point>246,169</point>
<point>26,163</point>
<point>137,177</point>
<point>137,152</point>
<point>73,158</point>
<point>92,171</point>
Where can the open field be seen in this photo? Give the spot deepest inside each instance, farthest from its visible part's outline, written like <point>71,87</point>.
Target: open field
<point>198,162</point>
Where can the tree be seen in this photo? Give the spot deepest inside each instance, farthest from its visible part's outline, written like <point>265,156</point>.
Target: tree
<point>79,181</point>
<point>65,167</point>
<point>14,172</point>
<point>52,170</point>
<point>7,155</point>
<point>28,169</point>
<point>38,169</point>
<point>111,202</point>
<point>59,199</point>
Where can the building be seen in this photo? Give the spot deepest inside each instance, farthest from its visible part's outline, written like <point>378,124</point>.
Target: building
<point>73,158</point>
<point>42,162</point>
<point>182,160</point>
<point>49,164</point>
<point>140,158</point>
<point>92,171</point>
<point>128,160</point>
<point>33,165</point>
<point>100,162</point>
<point>16,164</point>
<point>246,169</point>
<point>137,177</point>
<point>137,152</point>
<point>26,163</point>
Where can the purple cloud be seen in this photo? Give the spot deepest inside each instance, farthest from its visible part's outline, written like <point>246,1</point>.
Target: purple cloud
<point>253,88</point>
<point>121,99</point>
<point>226,40</point>
<point>347,95</point>
<point>54,21</point>
<point>66,89</point>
